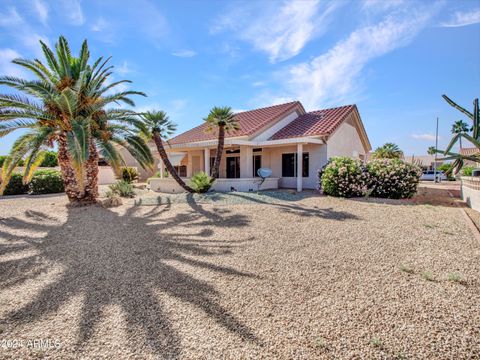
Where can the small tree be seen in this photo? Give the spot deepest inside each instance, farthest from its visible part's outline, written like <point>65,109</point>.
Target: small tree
<point>388,151</point>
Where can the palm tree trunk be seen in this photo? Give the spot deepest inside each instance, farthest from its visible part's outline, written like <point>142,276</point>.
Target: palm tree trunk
<point>91,167</point>
<point>168,164</point>
<point>68,174</point>
<point>460,143</point>
<point>218,156</point>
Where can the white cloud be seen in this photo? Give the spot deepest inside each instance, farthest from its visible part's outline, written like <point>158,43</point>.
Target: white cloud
<point>99,25</point>
<point>10,18</point>
<point>335,76</point>
<point>424,137</point>
<point>184,53</point>
<point>381,5</point>
<point>6,66</point>
<point>123,69</point>
<point>22,31</point>
<point>463,18</point>
<point>281,31</point>
<point>42,11</point>
<point>258,83</point>
<point>72,9</point>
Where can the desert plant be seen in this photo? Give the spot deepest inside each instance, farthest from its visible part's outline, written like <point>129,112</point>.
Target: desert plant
<point>159,127</point>
<point>345,177</point>
<point>454,277</point>
<point>15,185</point>
<point>427,276</point>
<point>467,170</point>
<point>393,178</point>
<point>129,174</point>
<point>221,119</point>
<point>458,158</point>
<point>122,188</point>
<point>46,182</point>
<point>200,182</point>
<point>388,151</point>
<point>69,104</point>
<point>376,342</point>
<point>112,199</point>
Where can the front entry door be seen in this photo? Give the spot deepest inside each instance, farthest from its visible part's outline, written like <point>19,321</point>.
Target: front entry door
<point>233,167</point>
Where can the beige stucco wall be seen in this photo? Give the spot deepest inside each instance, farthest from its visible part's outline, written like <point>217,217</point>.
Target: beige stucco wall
<point>272,158</point>
<point>142,173</point>
<point>345,141</point>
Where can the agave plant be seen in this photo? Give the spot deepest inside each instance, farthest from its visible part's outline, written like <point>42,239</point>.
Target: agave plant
<point>474,138</point>
<point>221,119</point>
<point>69,104</point>
<point>159,127</point>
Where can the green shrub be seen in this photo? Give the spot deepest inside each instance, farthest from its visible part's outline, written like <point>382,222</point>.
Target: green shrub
<point>445,168</point>
<point>46,182</point>
<point>393,178</point>
<point>344,177</point>
<point>200,182</point>
<point>467,170</point>
<point>50,160</point>
<point>2,159</point>
<point>16,186</point>
<point>122,188</point>
<point>129,174</point>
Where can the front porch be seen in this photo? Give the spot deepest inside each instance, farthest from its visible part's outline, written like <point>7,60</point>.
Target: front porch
<point>240,161</point>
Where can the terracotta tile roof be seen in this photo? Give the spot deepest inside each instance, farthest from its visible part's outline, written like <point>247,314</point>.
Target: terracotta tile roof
<point>250,122</point>
<point>318,123</point>
<point>469,151</point>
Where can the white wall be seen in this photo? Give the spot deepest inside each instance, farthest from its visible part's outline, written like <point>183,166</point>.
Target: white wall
<point>471,191</point>
<point>276,127</point>
<point>345,141</point>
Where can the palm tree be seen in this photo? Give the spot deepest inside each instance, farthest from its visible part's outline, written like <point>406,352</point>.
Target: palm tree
<point>66,104</point>
<point>388,151</point>
<point>431,150</point>
<point>223,119</point>
<point>158,127</point>
<point>460,127</point>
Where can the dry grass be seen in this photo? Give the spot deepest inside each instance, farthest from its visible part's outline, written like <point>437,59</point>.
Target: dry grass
<point>321,278</point>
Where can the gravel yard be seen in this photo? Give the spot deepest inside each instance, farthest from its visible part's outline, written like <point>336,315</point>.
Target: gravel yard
<point>317,277</point>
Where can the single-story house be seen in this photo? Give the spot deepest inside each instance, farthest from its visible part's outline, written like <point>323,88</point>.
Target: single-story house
<point>274,137</point>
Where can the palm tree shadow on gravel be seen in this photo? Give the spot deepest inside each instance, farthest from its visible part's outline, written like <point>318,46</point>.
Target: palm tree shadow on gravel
<point>122,259</point>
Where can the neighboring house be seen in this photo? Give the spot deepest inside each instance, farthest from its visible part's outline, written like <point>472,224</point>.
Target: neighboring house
<point>470,152</point>
<point>426,162</point>
<point>273,137</point>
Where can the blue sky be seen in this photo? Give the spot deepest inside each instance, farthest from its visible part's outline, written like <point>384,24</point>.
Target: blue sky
<point>393,59</point>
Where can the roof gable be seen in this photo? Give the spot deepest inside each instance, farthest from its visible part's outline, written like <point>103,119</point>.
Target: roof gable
<point>251,122</point>
<point>315,123</point>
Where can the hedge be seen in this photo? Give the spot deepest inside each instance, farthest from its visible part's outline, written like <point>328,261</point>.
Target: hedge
<point>386,178</point>
<point>46,182</point>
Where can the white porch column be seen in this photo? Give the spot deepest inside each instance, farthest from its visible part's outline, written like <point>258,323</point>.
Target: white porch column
<point>206,158</point>
<point>299,167</point>
<point>189,165</point>
<point>162,169</point>
<point>246,162</point>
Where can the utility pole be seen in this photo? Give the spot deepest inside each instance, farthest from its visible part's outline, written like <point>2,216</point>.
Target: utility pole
<point>436,147</point>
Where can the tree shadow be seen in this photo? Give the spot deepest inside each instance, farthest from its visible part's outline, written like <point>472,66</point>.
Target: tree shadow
<point>304,211</point>
<point>122,259</point>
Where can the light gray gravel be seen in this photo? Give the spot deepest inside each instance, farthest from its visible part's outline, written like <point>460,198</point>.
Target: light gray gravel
<point>316,278</point>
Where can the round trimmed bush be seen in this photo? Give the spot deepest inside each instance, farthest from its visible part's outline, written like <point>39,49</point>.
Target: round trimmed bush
<point>393,178</point>
<point>46,182</point>
<point>344,177</point>
<point>15,185</point>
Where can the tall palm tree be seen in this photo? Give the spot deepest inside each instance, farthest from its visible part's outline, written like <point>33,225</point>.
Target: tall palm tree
<point>158,127</point>
<point>460,127</point>
<point>388,151</point>
<point>221,119</point>
<point>67,104</point>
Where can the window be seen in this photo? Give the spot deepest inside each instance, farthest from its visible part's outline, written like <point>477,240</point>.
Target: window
<point>257,149</point>
<point>233,167</point>
<point>257,164</point>
<point>181,170</point>
<point>234,151</point>
<point>289,165</point>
